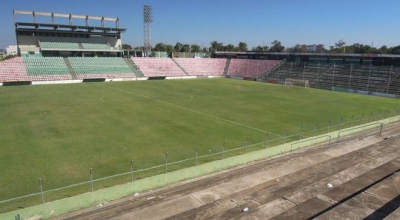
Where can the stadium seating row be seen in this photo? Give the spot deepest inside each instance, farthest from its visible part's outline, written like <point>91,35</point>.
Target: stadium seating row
<point>250,68</point>
<point>202,66</point>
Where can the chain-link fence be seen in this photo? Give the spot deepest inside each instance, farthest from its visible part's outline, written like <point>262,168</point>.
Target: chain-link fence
<point>313,134</point>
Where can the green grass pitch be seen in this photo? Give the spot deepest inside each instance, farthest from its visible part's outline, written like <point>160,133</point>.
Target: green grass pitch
<point>59,132</point>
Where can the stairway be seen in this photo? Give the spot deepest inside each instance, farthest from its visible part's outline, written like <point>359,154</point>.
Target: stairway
<point>390,81</point>
<point>228,62</point>
<point>71,70</point>
<point>263,76</point>
<point>187,74</point>
<point>133,67</point>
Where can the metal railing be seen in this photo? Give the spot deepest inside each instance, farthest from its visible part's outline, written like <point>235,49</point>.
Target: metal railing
<point>300,136</point>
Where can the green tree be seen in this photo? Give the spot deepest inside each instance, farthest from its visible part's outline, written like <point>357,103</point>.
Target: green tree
<point>260,48</point>
<point>169,48</point>
<point>126,47</point>
<point>195,48</point>
<point>159,47</point>
<point>242,47</point>
<point>178,47</point>
<point>216,46</point>
<point>276,46</point>
<point>185,48</point>
<point>229,47</point>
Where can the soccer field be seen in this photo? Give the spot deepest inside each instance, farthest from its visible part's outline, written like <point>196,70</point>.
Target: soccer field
<point>58,132</point>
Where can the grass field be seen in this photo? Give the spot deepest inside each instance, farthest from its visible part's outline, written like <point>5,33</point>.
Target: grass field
<point>59,132</point>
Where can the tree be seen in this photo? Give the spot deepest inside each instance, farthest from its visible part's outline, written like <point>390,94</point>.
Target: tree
<point>340,44</point>
<point>260,48</point>
<point>229,47</point>
<point>178,47</point>
<point>185,48</point>
<point>126,47</point>
<point>169,48</point>
<point>159,47</point>
<point>242,47</point>
<point>384,49</point>
<point>276,46</point>
<point>195,48</point>
<point>216,46</point>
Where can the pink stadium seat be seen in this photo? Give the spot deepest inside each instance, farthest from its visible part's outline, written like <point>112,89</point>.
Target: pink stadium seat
<point>202,66</point>
<point>158,66</point>
<point>250,68</point>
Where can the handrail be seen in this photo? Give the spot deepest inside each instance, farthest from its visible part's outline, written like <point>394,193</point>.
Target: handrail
<point>358,127</point>
<point>306,140</point>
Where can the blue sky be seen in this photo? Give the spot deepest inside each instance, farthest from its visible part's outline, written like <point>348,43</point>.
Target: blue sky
<point>251,21</point>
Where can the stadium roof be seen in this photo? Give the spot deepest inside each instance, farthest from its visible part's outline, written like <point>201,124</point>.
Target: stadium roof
<point>42,26</point>
<point>371,55</point>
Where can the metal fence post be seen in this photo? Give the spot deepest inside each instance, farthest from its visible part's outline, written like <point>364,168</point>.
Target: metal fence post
<point>351,121</point>
<point>387,112</point>
<point>131,171</point>
<point>329,125</point>
<point>394,112</point>
<point>379,114</point>
<point>91,179</point>
<point>223,150</point>
<point>301,129</point>
<point>197,148</point>
<point>247,138</point>
<point>340,123</point>
<point>315,128</point>
<point>369,120</point>
<point>166,163</point>
<point>41,190</point>
<point>361,119</point>
<point>284,136</point>
<point>266,140</point>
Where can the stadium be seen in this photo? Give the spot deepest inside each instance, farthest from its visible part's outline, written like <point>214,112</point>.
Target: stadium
<point>86,123</point>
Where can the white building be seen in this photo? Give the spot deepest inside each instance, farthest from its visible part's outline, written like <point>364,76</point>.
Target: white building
<point>12,50</point>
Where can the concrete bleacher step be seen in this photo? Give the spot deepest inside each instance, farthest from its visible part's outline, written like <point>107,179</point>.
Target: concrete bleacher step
<point>377,202</point>
<point>71,70</point>
<point>297,197</point>
<point>228,62</point>
<point>326,202</point>
<point>273,191</point>
<point>134,69</point>
<point>295,182</point>
<point>176,63</point>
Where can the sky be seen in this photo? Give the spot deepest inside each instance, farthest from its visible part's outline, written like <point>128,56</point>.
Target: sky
<point>256,22</point>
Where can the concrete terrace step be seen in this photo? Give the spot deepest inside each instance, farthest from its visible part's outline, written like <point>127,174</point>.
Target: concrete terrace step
<point>327,201</point>
<point>273,191</point>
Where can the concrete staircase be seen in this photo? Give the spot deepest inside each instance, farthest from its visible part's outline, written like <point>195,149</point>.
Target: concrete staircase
<point>228,62</point>
<point>71,70</point>
<point>133,67</point>
<point>187,74</point>
<point>263,76</point>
